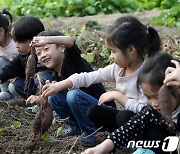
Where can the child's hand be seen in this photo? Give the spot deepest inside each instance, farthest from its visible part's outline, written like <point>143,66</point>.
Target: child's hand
<point>33,100</point>
<point>103,148</point>
<point>172,75</point>
<point>39,41</point>
<point>50,89</point>
<point>94,150</point>
<point>107,96</point>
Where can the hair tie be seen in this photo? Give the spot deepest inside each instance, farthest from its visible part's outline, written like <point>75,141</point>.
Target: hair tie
<point>147,29</point>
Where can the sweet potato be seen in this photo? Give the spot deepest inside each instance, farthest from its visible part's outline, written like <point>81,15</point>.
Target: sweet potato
<point>166,96</point>
<point>43,119</point>
<point>31,64</point>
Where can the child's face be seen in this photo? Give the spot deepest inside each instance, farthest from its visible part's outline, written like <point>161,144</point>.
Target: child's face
<point>23,47</point>
<point>153,97</point>
<point>117,56</point>
<point>50,56</point>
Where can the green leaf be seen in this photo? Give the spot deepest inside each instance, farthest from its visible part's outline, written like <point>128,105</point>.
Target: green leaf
<point>54,121</point>
<point>1,130</point>
<point>90,57</point>
<point>59,131</point>
<point>47,137</point>
<point>83,28</point>
<point>16,124</point>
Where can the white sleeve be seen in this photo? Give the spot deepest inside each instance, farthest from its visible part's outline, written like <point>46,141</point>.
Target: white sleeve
<point>85,79</point>
<point>136,105</point>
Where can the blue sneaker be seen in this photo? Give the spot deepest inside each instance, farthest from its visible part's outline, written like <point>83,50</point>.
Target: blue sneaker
<point>7,98</point>
<point>143,151</point>
<point>71,131</point>
<point>89,140</point>
<point>32,109</point>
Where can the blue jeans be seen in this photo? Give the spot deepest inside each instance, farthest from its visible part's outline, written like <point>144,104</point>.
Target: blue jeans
<point>4,86</point>
<point>19,87</point>
<point>74,104</point>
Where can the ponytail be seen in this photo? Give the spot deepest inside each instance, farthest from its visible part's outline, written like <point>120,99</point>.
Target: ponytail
<point>153,41</point>
<point>4,22</point>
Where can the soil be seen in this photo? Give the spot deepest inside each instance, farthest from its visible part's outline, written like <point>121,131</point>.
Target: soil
<point>20,140</point>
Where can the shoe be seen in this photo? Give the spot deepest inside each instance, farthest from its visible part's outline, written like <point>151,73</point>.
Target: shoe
<point>7,98</point>
<point>89,140</point>
<point>143,151</point>
<point>32,110</point>
<point>71,131</point>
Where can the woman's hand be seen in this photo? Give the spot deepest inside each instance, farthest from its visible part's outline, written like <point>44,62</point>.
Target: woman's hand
<point>33,100</point>
<point>172,75</point>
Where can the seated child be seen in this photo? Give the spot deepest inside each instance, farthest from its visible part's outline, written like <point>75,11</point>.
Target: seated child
<point>23,32</point>
<point>7,53</point>
<point>149,124</point>
<point>60,53</point>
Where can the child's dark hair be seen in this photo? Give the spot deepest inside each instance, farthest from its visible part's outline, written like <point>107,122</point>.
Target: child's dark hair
<point>50,33</point>
<point>153,73</point>
<point>26,28</point>
<point>5,22</point>
<point>128,30</point>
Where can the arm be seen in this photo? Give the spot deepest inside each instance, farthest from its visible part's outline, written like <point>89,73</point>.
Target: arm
<point>52,88</point>
<point>102,148</point>
<point>67,41</point>
<point>86,79</point>
<point>12,70</point>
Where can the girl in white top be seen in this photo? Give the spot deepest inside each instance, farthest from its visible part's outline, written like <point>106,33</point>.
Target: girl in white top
<point>8,51</point>
<point>128,41</point>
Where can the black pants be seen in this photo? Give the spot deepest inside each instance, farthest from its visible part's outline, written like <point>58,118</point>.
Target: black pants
<point>108,117</point>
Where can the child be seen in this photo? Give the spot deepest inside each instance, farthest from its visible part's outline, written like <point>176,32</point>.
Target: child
<point>60,53</point>
<point>22,31</point>
<point>7,53</point>
<point>128,41</point>
<point>149,120</point>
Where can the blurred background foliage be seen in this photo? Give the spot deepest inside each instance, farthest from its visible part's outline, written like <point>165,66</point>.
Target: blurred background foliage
<point>67,8</point>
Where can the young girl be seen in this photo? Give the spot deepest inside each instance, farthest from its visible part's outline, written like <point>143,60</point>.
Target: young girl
<point>7,53</point>
<point>60,53</point>
<point>147,125</point>
<point>128,40</point>
<point>23,32</point>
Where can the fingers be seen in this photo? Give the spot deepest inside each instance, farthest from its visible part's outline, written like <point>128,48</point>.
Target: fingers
<point>169,70</point>
<point>31,100</point>
<point>176,63</point>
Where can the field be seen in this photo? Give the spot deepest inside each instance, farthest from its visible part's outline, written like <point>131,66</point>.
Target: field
<point>19,140</point>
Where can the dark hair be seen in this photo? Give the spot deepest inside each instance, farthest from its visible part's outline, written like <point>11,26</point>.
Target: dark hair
<point>128,30</point>
<point>26,28</point>
<point>4,22</point>
<point>153,70</point>
<point>50,33</point>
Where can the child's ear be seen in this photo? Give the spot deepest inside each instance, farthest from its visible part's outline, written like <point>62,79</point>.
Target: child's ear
<point>63,48</point>
<point>131,49</point>
<point>2,30</point>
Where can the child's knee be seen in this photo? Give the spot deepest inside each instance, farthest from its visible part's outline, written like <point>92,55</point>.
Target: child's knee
<point>72,96</point>
<point>12,89</point>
